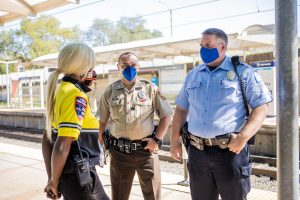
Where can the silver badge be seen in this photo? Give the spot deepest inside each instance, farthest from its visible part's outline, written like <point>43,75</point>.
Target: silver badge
<point>141,94</point>
<point>230,75</point>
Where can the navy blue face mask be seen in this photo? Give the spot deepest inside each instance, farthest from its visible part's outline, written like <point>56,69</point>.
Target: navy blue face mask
<point>209,55</point>
<point>129,73</point>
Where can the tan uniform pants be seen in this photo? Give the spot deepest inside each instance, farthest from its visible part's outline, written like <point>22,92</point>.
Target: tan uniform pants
<point>123,168</point>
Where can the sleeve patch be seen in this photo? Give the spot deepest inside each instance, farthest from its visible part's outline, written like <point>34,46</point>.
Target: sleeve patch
<point>80,106</point>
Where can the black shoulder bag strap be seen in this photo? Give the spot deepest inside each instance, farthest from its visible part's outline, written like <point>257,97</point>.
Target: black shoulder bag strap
<point>235,60</point>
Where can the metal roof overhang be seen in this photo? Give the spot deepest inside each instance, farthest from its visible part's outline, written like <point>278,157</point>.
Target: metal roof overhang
<point>158,48</point>
<point>11,10</point>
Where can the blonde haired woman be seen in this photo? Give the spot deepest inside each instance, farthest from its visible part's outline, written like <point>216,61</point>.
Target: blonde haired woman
<point>70,144</point>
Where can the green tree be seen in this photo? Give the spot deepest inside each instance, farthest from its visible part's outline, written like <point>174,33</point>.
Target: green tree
<point>44,36</point>
<point>131,29</point>
<point>11,68</point>
<point>35,38</point>
<point>9,44</point>
<point>98,34</point>
<point>104,32</point>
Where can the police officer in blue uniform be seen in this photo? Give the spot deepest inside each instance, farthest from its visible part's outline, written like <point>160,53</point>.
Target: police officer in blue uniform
<point>211,100</point>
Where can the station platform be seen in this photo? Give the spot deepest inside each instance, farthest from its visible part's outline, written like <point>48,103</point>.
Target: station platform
<point>23,177</point>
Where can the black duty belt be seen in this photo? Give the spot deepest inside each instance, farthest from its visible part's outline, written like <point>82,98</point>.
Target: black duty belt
<point>127,146</point>
<point>221,141</point>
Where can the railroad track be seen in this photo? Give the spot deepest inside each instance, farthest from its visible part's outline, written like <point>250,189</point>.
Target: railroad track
<point>36,136</point>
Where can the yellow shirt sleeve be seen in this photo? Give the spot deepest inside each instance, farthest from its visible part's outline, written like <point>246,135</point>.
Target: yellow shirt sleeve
<point>72,112</point>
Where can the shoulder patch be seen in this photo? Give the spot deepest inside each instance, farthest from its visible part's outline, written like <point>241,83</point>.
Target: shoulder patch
<point>80,107</point>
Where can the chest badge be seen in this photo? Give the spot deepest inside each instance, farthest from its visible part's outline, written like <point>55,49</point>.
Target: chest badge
<point>230,75</point>
<point>141,94</point>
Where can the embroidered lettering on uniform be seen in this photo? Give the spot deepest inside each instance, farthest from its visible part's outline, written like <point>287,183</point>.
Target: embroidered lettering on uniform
<point>80,107</point>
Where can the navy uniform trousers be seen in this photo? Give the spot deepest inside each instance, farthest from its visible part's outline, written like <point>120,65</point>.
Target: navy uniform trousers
<point>71,190</point>
<point>215,171</point>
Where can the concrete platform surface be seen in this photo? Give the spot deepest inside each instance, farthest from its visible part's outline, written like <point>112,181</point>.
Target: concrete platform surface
<point>23,177</point>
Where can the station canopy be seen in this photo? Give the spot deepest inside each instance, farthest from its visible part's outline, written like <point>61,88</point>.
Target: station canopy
<point>11,10</point>
<point>167,48</point>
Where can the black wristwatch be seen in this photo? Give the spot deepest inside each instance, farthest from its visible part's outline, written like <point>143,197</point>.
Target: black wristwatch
<point>158,142</point>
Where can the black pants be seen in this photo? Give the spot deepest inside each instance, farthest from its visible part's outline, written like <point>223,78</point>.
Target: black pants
<point>71,190</point>
<point>215,171</point>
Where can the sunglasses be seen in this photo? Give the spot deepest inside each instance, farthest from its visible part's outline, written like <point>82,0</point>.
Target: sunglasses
<point>91,75</point>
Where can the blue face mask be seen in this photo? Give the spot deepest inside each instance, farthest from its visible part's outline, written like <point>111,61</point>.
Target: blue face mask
<point>209,55</point>
<point>129,73</point>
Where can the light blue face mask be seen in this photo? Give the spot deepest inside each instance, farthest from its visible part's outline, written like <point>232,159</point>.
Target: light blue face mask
<point>129,73</point>
<point>209,55</point>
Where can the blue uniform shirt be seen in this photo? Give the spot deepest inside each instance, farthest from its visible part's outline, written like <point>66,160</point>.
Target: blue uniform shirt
<point>214,99</point>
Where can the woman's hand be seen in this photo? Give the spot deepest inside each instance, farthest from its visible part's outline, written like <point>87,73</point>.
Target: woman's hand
<point>51,190</point>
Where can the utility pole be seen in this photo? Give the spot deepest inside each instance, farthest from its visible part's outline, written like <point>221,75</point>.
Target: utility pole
<point>171,15</point>
<point>287,95</point>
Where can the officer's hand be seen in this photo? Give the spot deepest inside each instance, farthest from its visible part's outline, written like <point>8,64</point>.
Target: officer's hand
<point>102,161</point>
<point>237,143</point>
<point>176,150</point>
<point>151,144</point>
<point>51,191</point>
<point>100,138</point>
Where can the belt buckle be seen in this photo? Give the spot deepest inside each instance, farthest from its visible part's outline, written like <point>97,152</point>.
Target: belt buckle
<point>133,146</point>
<point>208,141</point>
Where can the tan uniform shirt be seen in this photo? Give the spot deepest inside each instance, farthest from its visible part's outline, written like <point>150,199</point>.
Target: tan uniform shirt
<point>130,113</point>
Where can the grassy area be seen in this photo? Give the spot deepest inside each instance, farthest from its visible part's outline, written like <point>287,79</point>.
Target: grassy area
<point>3,104</point>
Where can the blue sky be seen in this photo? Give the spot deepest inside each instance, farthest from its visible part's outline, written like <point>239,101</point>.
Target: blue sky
<point>191,20</point>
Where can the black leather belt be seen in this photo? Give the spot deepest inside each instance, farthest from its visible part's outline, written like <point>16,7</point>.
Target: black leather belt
<point>127,146</point>
<point>221,141</point>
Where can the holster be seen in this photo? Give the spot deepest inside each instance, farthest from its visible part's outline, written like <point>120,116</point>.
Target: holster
<point>185,136</point>
<point>107,139</point>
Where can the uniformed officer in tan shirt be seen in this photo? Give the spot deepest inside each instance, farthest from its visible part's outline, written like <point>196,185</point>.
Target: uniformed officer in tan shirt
<point>128,106</point>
